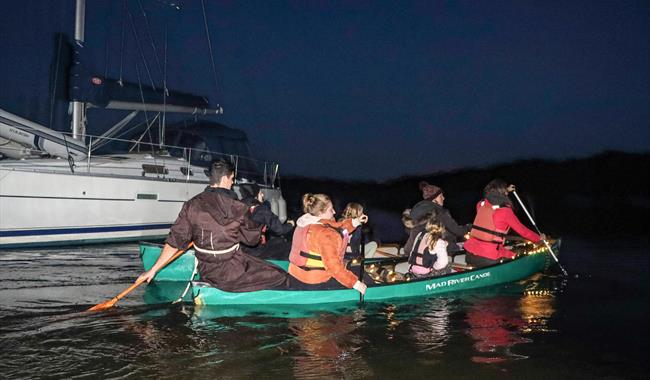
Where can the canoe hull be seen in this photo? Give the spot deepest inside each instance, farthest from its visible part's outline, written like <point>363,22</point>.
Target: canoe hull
<point>515,270</point>
<point>203,294</point>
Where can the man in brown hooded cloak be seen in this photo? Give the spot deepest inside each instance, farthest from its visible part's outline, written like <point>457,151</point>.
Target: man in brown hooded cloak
<point>217,222</point>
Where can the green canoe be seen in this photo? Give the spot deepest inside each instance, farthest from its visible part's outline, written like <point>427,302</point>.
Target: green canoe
<point>531,260</point>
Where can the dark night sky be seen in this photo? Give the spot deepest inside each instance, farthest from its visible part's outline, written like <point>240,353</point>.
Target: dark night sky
<point>376,89</point>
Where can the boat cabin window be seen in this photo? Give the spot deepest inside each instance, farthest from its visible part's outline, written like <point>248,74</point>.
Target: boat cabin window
<point>197,147</point>
<point>222,146</point>
<point>154,169</point>
<point>152,197</point>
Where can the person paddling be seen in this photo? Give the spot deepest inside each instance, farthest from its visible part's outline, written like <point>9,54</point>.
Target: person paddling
<point>319,242</point>
<point>494,218</point>
<point>216,221</point>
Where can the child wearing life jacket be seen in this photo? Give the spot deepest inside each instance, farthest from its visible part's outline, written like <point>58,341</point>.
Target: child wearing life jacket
<point>428,250</point>
<point>355,210</point>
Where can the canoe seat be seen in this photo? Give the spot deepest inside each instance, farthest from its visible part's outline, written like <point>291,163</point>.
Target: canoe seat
<point>458,267</point>
<point>389,250</point>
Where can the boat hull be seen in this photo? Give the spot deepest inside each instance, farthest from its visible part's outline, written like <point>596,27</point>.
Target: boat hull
<point>54,206</point>
<point>106,199</point>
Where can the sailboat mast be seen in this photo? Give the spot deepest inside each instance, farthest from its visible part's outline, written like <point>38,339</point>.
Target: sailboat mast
<point>79,108</point>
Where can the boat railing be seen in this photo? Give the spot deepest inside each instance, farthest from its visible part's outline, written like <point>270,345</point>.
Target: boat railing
<point>247,169</point>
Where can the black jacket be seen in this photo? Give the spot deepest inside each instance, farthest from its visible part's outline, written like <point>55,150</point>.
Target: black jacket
<point>262,214</point>
<point>453,231</point>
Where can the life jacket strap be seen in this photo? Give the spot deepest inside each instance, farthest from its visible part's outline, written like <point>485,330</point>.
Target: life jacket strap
<point>489,231</point>
<point>263,235</point>
<point>311,256</point>
<point>311,268</point>
<point>416,244</point>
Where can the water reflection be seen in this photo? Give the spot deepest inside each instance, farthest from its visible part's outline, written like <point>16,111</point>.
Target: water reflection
<point>537,308</point>
<point>495,324</point>
<point>327,346</point>
<point>431,331</point>
<point>392,320</point>
<point>498,323</point>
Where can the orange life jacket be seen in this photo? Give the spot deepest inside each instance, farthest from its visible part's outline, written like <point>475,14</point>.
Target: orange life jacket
<point>306,259</point>
<point>483,227</point>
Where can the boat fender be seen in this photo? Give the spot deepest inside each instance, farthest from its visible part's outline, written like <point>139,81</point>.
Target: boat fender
<point>273,201</point>
<point>282,209</point>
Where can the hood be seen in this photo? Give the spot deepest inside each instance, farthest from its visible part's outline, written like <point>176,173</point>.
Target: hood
<point>225,208</point>
<point>306,220</point>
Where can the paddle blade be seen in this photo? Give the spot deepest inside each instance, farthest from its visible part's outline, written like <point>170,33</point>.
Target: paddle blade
<point>108,304</point>
<point>104,305</point>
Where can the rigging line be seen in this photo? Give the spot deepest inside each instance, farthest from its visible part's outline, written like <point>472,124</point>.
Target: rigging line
<point>137,41</point>
<point>56,78</point>
<point>64,11</point>
<point>127,131</point>
<point>153,43</point>
<point>145,132</point>
<point>124,8</point>
<point>207,34</point>
<point>146,117</point>
<point>107,55</point>
<point>176,6</point>
<point>165,93</point>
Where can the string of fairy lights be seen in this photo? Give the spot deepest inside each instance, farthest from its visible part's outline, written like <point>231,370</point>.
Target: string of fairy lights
<point>385,273</point>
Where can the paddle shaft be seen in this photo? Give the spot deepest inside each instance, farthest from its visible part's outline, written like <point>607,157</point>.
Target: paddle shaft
<point>125,292</point>
<point>113,301</point>
<point>539,232</point>
<point>362,269</point>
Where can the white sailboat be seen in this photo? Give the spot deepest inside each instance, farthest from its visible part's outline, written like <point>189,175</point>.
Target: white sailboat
<point>54,190</point>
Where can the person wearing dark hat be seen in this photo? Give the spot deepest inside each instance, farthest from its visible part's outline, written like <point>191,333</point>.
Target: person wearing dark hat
<point>272,244</point>
<point>432,203</point>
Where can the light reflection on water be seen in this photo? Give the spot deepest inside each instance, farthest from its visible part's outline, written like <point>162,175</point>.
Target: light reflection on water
<point>519,329</point>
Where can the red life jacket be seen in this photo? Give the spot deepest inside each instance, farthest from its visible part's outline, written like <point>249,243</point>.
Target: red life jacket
<point>306,259</point>
<point>483,227</point>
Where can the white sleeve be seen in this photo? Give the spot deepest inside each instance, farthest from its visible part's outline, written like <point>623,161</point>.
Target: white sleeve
<point>440,249</point>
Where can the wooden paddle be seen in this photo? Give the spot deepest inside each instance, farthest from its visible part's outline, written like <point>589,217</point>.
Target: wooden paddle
<point>108,304</point>
<point>362,269</point>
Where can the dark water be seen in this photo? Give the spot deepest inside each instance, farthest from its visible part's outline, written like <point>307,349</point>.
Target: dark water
<point>592,325</point>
